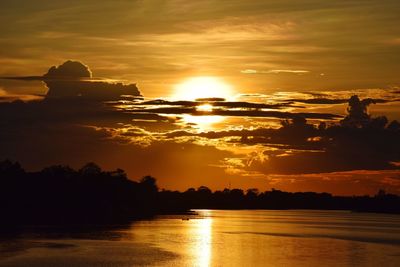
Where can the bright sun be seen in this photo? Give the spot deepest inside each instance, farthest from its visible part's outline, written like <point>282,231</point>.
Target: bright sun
<point>202,87</point>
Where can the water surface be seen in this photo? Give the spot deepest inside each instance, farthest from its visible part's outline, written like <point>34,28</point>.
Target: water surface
<point>215,238</point>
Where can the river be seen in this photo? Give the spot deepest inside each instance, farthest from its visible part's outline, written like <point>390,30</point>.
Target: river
<point>214,238</point>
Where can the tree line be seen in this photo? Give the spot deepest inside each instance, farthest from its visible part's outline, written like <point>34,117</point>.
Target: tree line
<point>60,194</point>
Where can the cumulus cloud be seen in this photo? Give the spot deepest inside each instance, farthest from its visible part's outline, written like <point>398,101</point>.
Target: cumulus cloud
<point>357,112</point>
<point>74,79</point>
<point>64,81</point>
<point>69,69</point>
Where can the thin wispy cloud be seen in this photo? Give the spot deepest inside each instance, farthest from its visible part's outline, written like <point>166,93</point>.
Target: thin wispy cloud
<point>251,71</point>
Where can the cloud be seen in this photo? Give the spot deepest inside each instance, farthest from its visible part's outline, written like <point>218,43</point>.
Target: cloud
<point>65,131</point>
<point>295,147</point>
<point>333,101</point>
<point>217,38</point>
<point>358,142</point>
<point>7,97</point>
<point>358,115</point>
<point>251,71</point>
<point>227,109</point>
<point>69,69</point>
<point>219,103</point>
<point>141,135</point>
<point>183,38</point>
<point>84,89</point>
<point>73,79</point>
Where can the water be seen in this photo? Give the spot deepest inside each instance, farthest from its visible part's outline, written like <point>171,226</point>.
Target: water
<point>216,238</point>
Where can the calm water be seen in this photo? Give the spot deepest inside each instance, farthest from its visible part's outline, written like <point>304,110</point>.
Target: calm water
<point>216,238</point>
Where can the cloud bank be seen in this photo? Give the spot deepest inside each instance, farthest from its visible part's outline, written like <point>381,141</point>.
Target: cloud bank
<point>82,119</point>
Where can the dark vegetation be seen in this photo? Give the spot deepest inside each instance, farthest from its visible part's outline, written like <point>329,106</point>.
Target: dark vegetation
<point>59,194</point>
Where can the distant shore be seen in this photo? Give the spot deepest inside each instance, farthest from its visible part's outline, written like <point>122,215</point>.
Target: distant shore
<point>62,195</point>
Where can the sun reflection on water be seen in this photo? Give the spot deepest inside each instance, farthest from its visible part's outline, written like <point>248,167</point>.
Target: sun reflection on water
<point>202,231</point>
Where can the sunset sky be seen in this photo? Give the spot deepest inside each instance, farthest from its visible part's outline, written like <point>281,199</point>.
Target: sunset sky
<point>223,89</point>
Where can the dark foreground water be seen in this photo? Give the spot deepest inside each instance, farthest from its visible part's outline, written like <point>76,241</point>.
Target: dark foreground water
<point>215,238</point>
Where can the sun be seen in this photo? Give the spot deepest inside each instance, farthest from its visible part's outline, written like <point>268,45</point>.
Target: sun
<point>202,87</point>
<point>204,108</point>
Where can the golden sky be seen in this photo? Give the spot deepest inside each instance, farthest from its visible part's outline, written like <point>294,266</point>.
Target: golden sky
<point>271,61</point>
<point>354,44</point>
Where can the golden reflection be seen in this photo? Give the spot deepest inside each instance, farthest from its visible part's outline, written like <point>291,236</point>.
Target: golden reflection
<point>202,231</point>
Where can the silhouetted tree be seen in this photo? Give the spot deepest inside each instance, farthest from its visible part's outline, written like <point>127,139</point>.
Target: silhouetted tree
<point>394,126</point>
<point>10,169</point>
<point>90,169</point>
<point>59,194</point>
<point>149,183</point>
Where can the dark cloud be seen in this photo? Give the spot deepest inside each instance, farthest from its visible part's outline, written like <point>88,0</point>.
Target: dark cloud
<point>319,101</point>
<point>77,111</point>
<point>215,103</point>
<point>71,69</point>
<point>60,131</point>
<point>220,108</point>
<point>242,113</point>
<point>60,86</point>
<point>357,112</point>
<point>358,142</point>
<point>335,101</point>
<point>73,79</point>
<point>101,91</point>
<point>211,99</point>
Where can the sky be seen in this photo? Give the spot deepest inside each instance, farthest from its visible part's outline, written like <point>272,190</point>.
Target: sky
<point>273,82</point>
